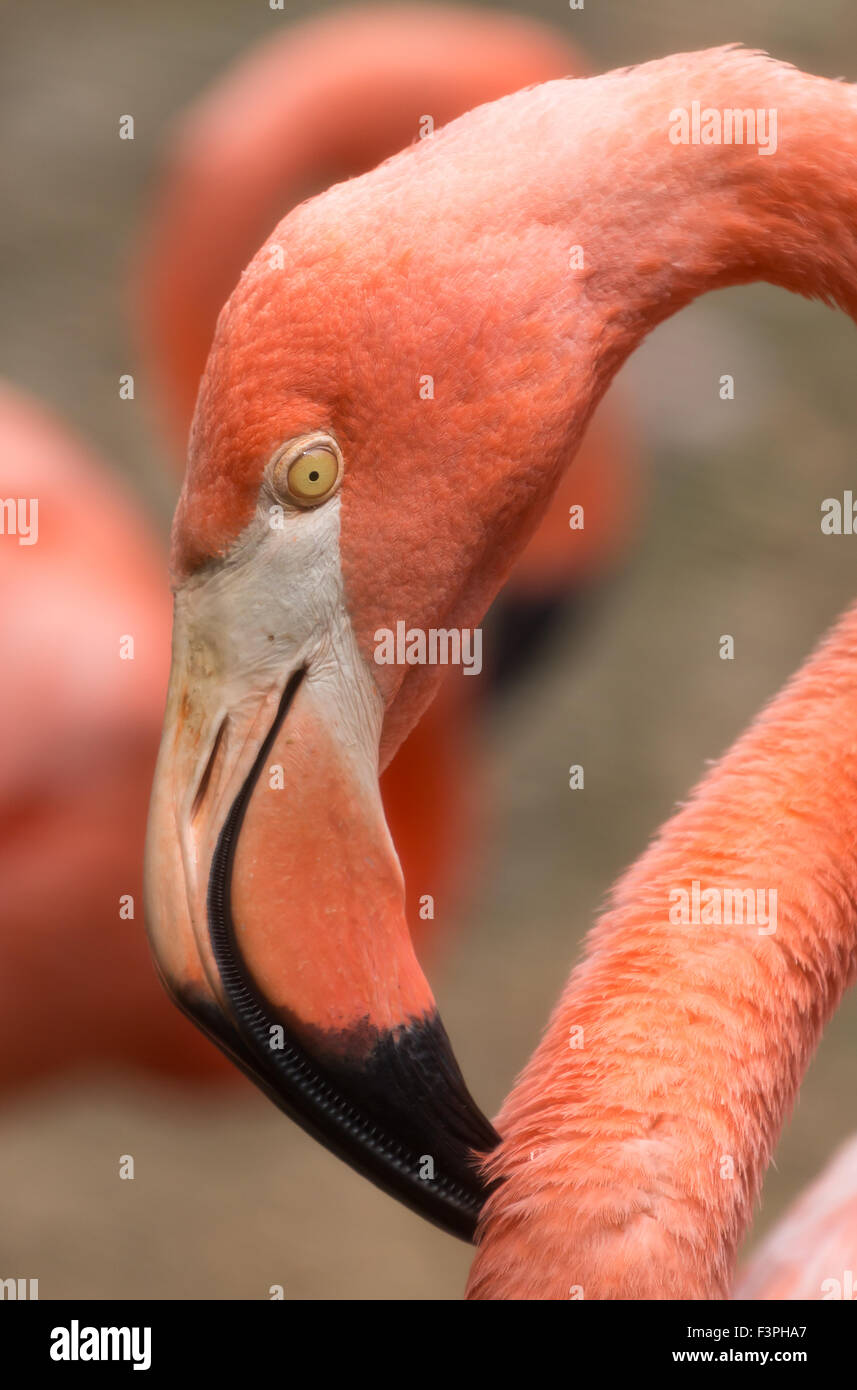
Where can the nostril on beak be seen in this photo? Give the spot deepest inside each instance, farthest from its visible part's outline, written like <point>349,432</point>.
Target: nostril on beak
<point>205,780</point>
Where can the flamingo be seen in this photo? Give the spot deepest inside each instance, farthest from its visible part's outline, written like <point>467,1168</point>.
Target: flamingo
<point>72,783</point>
<point>330,98</point>
<point>74,802</point>
<point>518,256</point>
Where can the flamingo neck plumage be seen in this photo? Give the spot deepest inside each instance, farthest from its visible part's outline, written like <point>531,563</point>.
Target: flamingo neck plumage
<point>635,1142</point>
<point>656,216</point>
<point>636,1139</point>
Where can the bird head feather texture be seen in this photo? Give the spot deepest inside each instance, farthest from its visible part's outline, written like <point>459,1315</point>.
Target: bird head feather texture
<point>452,261</point>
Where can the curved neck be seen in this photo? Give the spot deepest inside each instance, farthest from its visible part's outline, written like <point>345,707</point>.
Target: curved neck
<point>650,1111</point>
<point>689,174</point>
<point>635,1143</point>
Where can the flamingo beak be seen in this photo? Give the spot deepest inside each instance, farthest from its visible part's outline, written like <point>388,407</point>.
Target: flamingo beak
<point>275,902</point>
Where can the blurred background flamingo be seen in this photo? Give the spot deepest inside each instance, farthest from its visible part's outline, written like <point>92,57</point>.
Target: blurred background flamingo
<point>80,731</point>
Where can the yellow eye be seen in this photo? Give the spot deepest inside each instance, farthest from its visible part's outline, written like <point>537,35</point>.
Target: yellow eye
<point>308,471</point>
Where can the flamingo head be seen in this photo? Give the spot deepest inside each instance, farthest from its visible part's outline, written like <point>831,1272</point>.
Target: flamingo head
<point>377,429</point>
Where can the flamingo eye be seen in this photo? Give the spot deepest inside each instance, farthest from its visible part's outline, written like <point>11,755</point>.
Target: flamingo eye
<point>308,470</point>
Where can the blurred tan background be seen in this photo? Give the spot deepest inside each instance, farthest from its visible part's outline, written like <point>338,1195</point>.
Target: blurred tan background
<point>228,1197</point>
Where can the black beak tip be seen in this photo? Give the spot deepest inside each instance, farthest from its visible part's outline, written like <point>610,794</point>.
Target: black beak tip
<point>409,1088</point>
<point>394,1106</point>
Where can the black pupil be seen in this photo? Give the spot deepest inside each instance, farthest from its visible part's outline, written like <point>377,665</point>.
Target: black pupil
<point>313,477</point>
